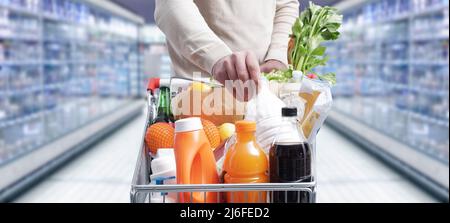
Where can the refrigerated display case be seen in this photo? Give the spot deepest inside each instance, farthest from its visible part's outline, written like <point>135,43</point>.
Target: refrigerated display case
<point>153,56</point>
<point>393,77</point>
<point>65,65</point>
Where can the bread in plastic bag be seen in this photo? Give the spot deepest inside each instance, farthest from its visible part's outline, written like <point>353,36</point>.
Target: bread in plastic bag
<point>318,103</point>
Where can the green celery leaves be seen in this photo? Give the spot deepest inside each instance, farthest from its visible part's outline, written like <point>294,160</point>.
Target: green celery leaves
<point>314,26</point>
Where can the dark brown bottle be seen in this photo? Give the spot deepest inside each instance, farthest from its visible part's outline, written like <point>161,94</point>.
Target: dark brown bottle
<point>290,163</point>
<point>290,160</point>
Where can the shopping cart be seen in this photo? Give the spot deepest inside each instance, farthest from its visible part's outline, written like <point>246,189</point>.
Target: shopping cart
<point>142,191</point>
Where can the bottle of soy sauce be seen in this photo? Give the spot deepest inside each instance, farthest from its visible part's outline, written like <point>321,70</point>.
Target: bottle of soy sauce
<point>290,159</point>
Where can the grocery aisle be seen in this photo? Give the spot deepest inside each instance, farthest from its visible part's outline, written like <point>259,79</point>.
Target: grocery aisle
<point>103,174</point>
<point>347,173</point>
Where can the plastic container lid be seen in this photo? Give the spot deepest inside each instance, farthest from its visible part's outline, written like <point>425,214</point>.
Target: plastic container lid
<point>188,125</point>
<point>165,82</point>
<point>245,126</point>
<point>289,112</point>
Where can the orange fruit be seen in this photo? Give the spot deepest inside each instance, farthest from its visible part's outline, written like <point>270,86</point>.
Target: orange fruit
<point>159,135</point>
<point>212,132</point>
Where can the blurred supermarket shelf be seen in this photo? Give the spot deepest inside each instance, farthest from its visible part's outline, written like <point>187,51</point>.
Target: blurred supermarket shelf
<point>22,10</point>
<point>102,174</point>
<point>427,37</point>
<point>385,18</point>
<point>393,62</point>
<point>25,171</point>
<point>20,63</point>
<point>24,37</point>
<point>422,167</point>
<point>393,80</point>
<point>346,173</point>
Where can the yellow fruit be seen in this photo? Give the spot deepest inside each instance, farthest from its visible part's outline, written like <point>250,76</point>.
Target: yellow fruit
<point>226,131</point>
<point>159,135</point>
<point>198,86</point>
<point>212,133</point>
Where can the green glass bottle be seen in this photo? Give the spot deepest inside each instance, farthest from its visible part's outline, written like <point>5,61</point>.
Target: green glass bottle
<point>164,107</point>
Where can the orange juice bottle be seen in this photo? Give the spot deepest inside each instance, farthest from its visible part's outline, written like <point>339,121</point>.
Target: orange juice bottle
<point>195,160</point>
<point>246,162</point>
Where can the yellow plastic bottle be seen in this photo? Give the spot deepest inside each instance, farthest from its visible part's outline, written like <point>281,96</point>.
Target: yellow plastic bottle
<point>245,162</point>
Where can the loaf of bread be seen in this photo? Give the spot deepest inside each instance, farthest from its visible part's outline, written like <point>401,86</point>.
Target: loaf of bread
<point>218,106</point>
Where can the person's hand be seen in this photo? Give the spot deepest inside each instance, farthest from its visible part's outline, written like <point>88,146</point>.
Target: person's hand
<point>238,66</point>
<point>272,65</point>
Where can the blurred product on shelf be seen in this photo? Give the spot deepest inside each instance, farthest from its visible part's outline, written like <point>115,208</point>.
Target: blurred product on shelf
<point>154,58</point>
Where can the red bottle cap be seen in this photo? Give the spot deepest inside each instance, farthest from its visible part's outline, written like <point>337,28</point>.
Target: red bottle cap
<point>153,84</point>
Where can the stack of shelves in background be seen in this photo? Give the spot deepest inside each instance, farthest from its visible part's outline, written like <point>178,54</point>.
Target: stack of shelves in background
<point>154,57</point>
<point>392,64</point>
<point>63,65</point>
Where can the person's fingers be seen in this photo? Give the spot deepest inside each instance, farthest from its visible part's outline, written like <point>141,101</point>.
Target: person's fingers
<point>221,77</point>
<point>231,71</point>
<point>272,65</point>
<point>253,67</point>
<point>219,73</point>
<point>240,66</point>
<point>266,68</point>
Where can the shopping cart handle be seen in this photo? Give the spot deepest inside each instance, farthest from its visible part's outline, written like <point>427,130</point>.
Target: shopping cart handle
<point>153,84</point>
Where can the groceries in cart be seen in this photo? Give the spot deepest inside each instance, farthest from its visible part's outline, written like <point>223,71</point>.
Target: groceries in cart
<point>195,159</point>
<point>290,159</point>
<point>163,168</point>
<point>245,162</point>
<point>267,145</point>
<point>268,140</point>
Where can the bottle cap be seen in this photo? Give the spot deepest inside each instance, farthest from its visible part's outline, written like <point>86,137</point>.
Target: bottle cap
<point>245,126</point>
<point>289,112</point>
<point>188,125</point>
<point>153,84</point>
<point>164,82</point>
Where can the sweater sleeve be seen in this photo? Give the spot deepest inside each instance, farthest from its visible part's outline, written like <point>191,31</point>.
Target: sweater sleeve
<point>287,11</point>
<point>188,32</point>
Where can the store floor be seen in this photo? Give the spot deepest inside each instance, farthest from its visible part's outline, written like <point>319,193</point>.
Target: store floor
<point>346,173</point>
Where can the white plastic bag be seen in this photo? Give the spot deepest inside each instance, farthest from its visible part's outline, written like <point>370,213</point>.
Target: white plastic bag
<point>265,110</point>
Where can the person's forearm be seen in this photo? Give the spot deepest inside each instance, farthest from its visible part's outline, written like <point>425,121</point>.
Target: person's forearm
<point>185,29</point>
<point>286,13</point>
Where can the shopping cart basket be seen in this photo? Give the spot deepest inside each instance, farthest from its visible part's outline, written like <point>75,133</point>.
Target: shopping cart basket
<point>142,191</point>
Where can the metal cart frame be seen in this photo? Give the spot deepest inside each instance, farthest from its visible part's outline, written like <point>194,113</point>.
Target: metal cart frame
<point>142,190</point>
